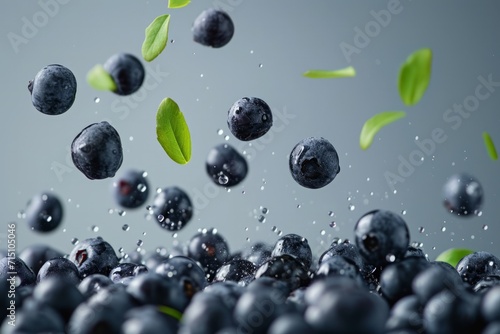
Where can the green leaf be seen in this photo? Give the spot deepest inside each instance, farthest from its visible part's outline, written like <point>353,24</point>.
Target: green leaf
<point>156,37</point>
<point>453,255</point>
<point>414,76</point>
<point>99,79</point>
<point>173,132</point>
<point>178,3</point>
<point>347,72</point>
<point>490,146</point>
<point>374,124</point>
<point>170,311</point>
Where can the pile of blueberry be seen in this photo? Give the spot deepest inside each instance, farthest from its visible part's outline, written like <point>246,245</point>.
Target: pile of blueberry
<point>376,284</point>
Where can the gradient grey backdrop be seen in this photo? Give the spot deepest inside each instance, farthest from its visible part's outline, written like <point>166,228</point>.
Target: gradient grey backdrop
<point>274,43</point>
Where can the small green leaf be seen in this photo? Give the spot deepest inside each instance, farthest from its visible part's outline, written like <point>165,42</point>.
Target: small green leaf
<point>347,72</point>
<point>178,3</point>
<point>374,124</point>
<point>173,132</point>
<point>170,311</point>
<point>156,37</point>
<point>490,146</point>
<point>453,255</point>
<point>414,76</point>
<point>99,79</point>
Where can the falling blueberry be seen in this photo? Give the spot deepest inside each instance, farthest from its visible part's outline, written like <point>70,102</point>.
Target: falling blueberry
<point>249,118</point>
<point>213,28</point>
<point>226,166</point>
<point>127,72</point>
<point>97,151</point>
<point>463,194</point>
<point>131,189</point>
<point>314,163</point>
<point>53,90</point>
<point>44,212</point>
<point>172,208</point>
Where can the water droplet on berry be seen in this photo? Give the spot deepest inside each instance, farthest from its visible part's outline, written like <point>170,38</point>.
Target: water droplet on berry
<point>223,179</point>
<point>390,258</point>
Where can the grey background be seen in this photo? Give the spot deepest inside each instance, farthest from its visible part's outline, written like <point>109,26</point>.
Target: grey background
<point>287,38</point>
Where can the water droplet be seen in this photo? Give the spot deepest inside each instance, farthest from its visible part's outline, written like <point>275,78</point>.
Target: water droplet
<point>262,187</point>
<point>323,232</point>
<point>174,235</point>
<point>110,211</point>
<point>261,219</point>
<point>349,198</point>
<point>485,227</point>
<point>243,192</point>
<point>274,229</point>
<point>21,214</point>
<point>223,179</point>
<point>142,187</point>
<point>260,65</point>
<point>95,228</point>
<point>251,51</point>
<point>125,227</point>
<point>97,100</point>
<point>333,224</point>
<point>44,197</point>
<point>443,229</point>
<point>421,229</point>
<point>74,241</point>
<point>416,137</point>
<point>120,250</point>
<point>264,210</point>
<point>121,213</point>
<point>367,179</point>
<point>220,132</point>
<point>131,138</point>
<point>390,258</point>
<point>201,75</point>
<point>299,206</point>
<point>351,207</point>
<point>139,242</point>
<point>403,212</point>
<point>395,192</point>
<point>226,137</point>
<point>280,233</point>
<point>491,263</point>
<point>472,236</point>
<point>161,218</point>
<point>331,213</point>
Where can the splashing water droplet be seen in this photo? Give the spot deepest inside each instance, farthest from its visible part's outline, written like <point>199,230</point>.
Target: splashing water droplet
<point>110,211</point>
<point>131,138</point>
<point>264,210</point>
<point>403,212</point>
<point>121,213</point>
<point>139,243</point>
<point>323,232</point>
<point>95,228</point>
<point>220,132</point>
<point>97,100</point>
<point>125,227</point>
<point>261,219</point>
<point>421,229</point>
<point>333,224</point>
<point>226,137</point>
<point>261,65</point>
<point>351,207</point>
<point>485,227</point>
<point>142,187</point>
<point>74,241</point>
<point>443,229</point>
<point>331,213</point>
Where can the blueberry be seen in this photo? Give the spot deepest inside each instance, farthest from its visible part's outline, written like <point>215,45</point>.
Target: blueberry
<point>406,314</point>
<point>435,279</point>
<point>59,268</point>
<point>123,270</point>
<point>154,289</point>
<point>318,288</point>
<point>126,71</point>
<point>249,118</point>
<point>36,255</point>
<point>228,291</point>
<point>285,268</point>
<point>290,324</point>
<point>44,212</point>
<point>294,245</point>
<point>348,311</point>
<point>53,90</point>
<point>226,166</point>
<point>447,313</point>
<point>60,294</point>
<point>474,267</point>
<point>131,189</point>
<point>490,305</point>
<point>258,253</point>
<point>206,314</point>
<point>397,278</point>
<point>97,151</point>
<point>210,249</point>
<point>486,283</point>
<point>347,250</point>
<point>381,237</point>
<point>463,194</point>
<point>103,313</point>
<point>94,256</point>
<point>172,208</point>
<point>213,28</point>
<point>154,259</point>
<point>186,272</point>
<point>23,274</point>
<point>234,270</point>
<point>338,265</point>
<point>314,163</point>
<point>93,283</point>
